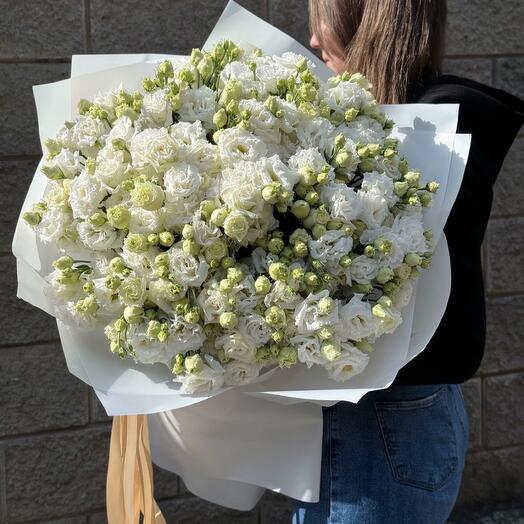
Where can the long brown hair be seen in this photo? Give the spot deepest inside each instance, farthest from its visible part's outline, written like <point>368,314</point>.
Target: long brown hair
<point>394,43</point>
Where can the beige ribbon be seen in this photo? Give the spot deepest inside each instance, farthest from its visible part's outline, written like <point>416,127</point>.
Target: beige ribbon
<point>129,489</point>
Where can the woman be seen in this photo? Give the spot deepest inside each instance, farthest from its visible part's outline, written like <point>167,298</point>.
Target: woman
<point>397,456</point>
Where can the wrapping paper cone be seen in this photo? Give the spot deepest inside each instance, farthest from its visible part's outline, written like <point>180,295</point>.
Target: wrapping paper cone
<point>129,490</point>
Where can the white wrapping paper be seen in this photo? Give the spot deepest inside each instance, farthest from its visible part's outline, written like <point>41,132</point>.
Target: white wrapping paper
<point>232,444</point>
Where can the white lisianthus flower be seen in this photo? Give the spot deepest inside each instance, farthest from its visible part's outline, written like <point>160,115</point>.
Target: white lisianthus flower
<point>364,130</point>
<point>86,194</point>
<point>255,328</point>
<point>205,156</point>
<point>343,96</point>
<point>181,181</point>
<point>54,225</point>
<point>282,295</point>
<point>381,184</point>
<point>239,71</point>
<point>330,248</point>
<point>208,379</point>
<point>374,208</point>
<point>237,144</point>
<point>61,292</point>
<point>342,201</point>
<point>239,373</point>
<point>147,350</point>
<point>262,122</point>
<point>363,269</point>
<point>310,157</point>
<point>184,336</point>
<point>279,172</point>
<point>99,238</point>
<point>67,161</point>
<point>315,133</point>
<point>398,246</point>
<point>163,293</point>
<point>212,302</point>
<point>86,135</point>
<point>153,148</point>
<point>308,350</point>
<point>356,320</point>
<point>308,317</point>
<point>245,295</point>
<point>180,211</point>
<point>188,133</point>
<point>350,363</point>
<point>198,104</point>
<point>238,224</point>
<point>241,186</point>
<point>111,166</point>
<point>144,221</point>
<point>388,319</point>
<point>133,291</point>
<point>410,229</point>
<point>123,129</point>
<point>188,269</point>
<point>107,299</point>
<point>156,109</point>
<point>237,346</point>
<point>143,264</point>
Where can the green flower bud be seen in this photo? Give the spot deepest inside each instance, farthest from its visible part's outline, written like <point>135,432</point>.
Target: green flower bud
<point>345,261</point>
<point>278,271</point>
<point>97,219</point>
<point>136,243</point>
<point>362,288</point>
<point>412,178</point>
<point>207,207</point>
<point>216,251</point>
<point>235,274</point>
<point>344,159</point>
<point>133,314</point>
<point>153,239</point>
<point>350,114</point>
<point>220,118</point>
<point>312,197</point>
<point>425,199</point>
<point>403,271</point>
<point>287,357</point>
<point>271,192</point>
<point>412,259</point>
<point>118,217</point>
<point>297,273</point>
<point>227,262</point>
<point>330,351</point>
<point>369,251</point>
<point>300,249</point>
<point>117,265</point>
<point>311,279</point>
<point>226,285</point>
<point>262,285</point>
<point>228,320</point>
<point>318,230</point>
<point>433,187</point>
<point>193,364</point>
<point>192,316</point>
<point>325,306</point>
<point>177,364</point>
<point>64,262</point>
<point>147,196</point>
<point>153,328</point>
<point>191,247</point>
<point>87,305</point>
<point>166,238</point>
<point>53,172</point>
<point>300,208</point>
<point>32,218</point>
<point>112,282</point>
<point>325,333</point>
<point>275,245</point>
<point>218,216</point>
<point>385,274</point>
<point>275,317</point>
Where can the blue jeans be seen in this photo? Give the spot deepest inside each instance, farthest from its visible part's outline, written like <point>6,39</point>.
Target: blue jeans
<point>396,457</point>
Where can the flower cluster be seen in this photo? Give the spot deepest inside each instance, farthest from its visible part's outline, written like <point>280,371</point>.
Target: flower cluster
<point>237,215</point>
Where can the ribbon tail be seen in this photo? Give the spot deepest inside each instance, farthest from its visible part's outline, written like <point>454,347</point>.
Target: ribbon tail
<point>129,490</point>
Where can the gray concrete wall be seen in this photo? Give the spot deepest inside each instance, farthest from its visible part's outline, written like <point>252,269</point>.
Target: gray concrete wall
<point>53,433</point>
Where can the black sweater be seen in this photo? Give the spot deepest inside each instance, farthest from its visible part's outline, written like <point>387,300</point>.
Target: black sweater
<point>493,118</point>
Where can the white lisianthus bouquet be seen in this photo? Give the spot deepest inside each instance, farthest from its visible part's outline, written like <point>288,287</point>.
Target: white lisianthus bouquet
<point>237,215</point>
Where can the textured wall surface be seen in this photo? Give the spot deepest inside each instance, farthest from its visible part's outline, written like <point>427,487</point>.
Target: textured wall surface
<point>53,433</point>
